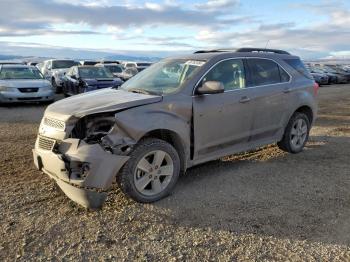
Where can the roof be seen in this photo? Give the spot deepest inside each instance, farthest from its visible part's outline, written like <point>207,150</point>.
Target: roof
<point>16,66</point>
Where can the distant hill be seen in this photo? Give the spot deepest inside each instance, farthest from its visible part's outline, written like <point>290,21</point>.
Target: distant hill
<point>10,57</point>
<point>132,58</point>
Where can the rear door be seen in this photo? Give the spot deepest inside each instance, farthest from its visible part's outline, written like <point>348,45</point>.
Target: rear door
<point>222,122</point>
<point>271,86</point>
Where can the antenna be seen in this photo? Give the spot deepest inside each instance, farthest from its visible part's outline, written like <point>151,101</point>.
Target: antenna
<point>267,43</point>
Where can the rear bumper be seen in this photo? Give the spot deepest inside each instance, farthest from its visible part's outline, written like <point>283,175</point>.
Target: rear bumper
<point>84,172</point>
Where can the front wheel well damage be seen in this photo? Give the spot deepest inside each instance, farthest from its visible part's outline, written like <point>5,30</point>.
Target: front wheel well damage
<point>173,139</point>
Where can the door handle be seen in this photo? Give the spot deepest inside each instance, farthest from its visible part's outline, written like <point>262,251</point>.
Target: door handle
<point>244,99</point>
<point>287,90</point>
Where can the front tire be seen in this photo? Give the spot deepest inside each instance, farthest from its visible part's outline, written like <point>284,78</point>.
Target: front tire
<point>296,134</point>
<point>56,88</point>
<point>151,172</point>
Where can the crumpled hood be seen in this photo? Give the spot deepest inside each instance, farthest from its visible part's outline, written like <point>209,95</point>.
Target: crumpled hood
<point>104,100</point>
<point>18,83</point>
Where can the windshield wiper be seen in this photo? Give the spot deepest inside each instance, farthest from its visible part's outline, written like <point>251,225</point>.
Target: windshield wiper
<point>143,91</point>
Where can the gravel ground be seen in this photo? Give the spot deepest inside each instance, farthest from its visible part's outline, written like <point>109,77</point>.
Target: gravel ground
<point>259,206</point>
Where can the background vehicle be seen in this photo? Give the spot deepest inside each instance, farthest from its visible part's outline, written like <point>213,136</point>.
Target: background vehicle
<point>109,62</point>
<point>138,65</point>
<point>115,69</point>
<point>11,62</point>
<point>88,62</point>
<point>19,83</point>
<point>82,79</point>
<point>128,73</point>
<point>54,71</point>
<point>320,77</point>
<point>156,125</point>
<point>340,78</point>
<point>32,63</point>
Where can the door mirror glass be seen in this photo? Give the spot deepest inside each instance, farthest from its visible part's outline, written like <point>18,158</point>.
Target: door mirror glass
<point>211,87</point>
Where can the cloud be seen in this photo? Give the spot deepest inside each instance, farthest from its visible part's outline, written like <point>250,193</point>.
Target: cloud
<point>214,5</point>
<point>210,24</point>
<point>36,17</point>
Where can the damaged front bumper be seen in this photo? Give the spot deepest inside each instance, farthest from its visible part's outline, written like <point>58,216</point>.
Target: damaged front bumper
<point>83,171</point>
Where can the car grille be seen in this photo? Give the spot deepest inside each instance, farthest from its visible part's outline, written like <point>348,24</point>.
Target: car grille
<point>46,143</point>
<point>57,124</point>
<point>28,89</point>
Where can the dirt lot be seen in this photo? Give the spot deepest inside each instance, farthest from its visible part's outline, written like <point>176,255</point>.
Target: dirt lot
<point>262,206</point>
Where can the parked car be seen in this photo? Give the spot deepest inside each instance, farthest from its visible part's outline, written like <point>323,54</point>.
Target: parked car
<point>82,79</point>
<point>11,62</point>
<point>138,65</point>
<point>156,126</point>
<point>128,73</point>
<point>109,62</point>
<point>88,62</point>
<point>320,77</point>
<point>340,78</point>
<point>54,70</point>
<point>20,83</point>
<point>115,69</point>
<point>32,63</point>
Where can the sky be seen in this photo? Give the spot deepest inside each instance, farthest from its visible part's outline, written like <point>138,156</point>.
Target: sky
<point>311,29</point>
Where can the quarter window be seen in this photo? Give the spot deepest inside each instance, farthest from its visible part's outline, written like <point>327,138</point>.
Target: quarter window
<point>230,73</point>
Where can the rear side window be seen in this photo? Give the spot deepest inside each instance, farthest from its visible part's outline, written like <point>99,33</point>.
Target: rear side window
<point>298,66</point>
<point>266,72</point>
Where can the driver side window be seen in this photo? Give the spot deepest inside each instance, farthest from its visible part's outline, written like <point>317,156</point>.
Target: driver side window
<point>230,73</point>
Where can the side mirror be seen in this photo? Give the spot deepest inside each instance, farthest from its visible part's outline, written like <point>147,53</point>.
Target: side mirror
<point>211,87</point>
<point>74,77</point>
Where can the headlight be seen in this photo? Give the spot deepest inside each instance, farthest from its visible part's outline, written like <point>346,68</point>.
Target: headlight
<point>6,89</point>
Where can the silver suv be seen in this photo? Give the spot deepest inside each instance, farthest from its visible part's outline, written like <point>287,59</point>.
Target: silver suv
<point>54,70</point>
<point>176,114</point>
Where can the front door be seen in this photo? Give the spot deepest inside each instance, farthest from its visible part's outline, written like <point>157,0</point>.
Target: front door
<point>222,121</point>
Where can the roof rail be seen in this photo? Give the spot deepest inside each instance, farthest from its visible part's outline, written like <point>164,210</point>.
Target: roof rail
<point>244,50</point>
<point>261,50</point>
<point>209,51</point>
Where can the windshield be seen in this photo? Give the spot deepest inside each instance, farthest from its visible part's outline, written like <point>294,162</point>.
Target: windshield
<point>164,77</point>
<point>114,68</point>
<point>94,72</point>
<point>58,64</point>
<point>20,73</point>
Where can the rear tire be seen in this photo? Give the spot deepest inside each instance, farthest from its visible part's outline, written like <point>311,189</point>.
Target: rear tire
<point>296,134</point>
<point>151,172</point>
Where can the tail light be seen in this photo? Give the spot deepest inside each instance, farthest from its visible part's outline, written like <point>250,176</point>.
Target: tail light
<point>316,87</point>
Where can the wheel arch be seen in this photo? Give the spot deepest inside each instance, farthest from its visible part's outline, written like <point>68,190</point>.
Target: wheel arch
<point>307,110</point>
<point>173,139</point>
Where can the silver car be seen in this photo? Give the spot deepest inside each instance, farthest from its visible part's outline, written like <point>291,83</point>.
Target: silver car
<point>19,83</point>
<point>157,125</point>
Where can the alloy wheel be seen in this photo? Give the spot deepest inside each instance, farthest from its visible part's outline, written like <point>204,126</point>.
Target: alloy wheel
<point>153,173</point>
